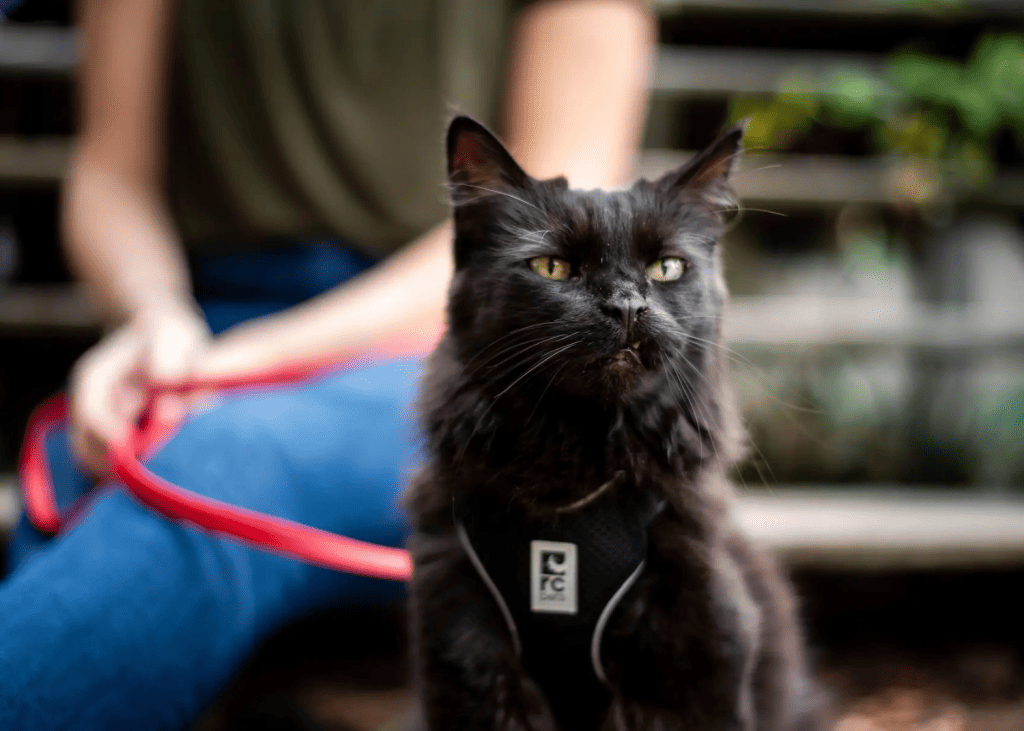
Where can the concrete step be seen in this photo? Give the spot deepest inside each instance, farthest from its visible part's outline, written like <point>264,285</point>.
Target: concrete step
<point>38,162</point>
<point>882,9</point>
<point>793,181</point>
<point>802,181</point>
<point>44,309</point>
<point>695,71</point>
<point>37,50</point>
<point>887,528</point>
<point>10,503</point>
<point>840,528</point>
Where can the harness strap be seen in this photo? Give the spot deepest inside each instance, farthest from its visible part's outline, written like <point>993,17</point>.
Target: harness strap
<point>557,581</point>
<point>602,622</point>
<point>467,546</point>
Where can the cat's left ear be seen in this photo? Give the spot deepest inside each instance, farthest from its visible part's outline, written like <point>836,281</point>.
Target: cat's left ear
<point>707,173</point>
<point>477,159</point>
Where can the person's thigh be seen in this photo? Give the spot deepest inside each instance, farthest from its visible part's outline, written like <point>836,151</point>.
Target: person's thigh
<point>70,483</point>
<point>130,620</point>
<point>335,454</point>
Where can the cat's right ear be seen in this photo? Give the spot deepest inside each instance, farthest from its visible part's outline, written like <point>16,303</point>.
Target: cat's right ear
<point>478,162</point>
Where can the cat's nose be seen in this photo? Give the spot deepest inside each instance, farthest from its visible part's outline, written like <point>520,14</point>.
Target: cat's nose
<point>625,309</point>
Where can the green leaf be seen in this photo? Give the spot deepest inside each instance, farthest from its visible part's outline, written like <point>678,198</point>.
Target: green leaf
<point>853,99</point>
<point>997,65</point>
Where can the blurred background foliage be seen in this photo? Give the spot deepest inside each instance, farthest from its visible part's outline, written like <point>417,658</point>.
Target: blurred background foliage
<point>942,122</point>
<point>918,105</point>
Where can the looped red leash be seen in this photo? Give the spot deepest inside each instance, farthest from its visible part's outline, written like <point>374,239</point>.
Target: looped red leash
<point>277,535</point>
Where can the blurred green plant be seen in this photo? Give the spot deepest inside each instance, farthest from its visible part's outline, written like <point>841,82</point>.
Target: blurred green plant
<point>917,105</point>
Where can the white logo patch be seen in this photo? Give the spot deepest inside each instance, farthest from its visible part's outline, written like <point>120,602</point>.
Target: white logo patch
<point>553,577</point>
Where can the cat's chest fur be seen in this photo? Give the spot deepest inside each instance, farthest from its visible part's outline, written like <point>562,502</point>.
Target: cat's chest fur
<point>549,450</point>
<point>587,482</point>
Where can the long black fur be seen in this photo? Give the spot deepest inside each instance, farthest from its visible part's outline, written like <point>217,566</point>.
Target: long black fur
<point>541,392</point>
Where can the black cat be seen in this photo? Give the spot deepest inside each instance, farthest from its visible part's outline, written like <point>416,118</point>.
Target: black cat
<point>575,563</point>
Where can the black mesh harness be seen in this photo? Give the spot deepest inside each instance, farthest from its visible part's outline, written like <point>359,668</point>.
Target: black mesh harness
<point>557,583</point>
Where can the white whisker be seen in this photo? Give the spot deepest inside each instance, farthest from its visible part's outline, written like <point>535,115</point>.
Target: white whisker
<point>499,192</point>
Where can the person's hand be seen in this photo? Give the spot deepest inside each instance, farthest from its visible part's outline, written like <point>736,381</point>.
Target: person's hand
<point>108,383</point>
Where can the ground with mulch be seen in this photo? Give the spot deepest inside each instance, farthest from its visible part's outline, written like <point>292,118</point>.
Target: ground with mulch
<point>972,688</point>
<point>897,652</point>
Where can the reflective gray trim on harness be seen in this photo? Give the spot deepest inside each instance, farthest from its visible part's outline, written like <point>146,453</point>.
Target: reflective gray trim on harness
<point>602,622</point>
<point>467,546</point>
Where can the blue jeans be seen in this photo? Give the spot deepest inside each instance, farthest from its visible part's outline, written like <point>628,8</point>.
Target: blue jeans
<point>130,621</point>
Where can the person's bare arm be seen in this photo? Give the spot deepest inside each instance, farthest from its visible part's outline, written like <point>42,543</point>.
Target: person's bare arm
<point>574,106</point>
<point>578,88</point>
<point>117,233</point>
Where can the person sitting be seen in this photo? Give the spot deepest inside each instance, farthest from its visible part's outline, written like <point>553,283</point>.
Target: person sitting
<point>256,183</point>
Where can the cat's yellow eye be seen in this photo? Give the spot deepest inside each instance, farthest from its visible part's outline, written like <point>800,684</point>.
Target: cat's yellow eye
<point>666,270</point>
<point>550,267</point>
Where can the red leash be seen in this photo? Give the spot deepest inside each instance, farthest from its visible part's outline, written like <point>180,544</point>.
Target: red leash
<point>278,535</point>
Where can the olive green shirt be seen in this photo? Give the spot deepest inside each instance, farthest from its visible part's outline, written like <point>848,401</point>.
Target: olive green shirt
<point>296,118</point>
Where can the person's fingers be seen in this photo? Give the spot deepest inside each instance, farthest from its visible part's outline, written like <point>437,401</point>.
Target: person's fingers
<point>89,450</point>
<point>101,402</point>
<point>109,384</point>
<point>175,343</point>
